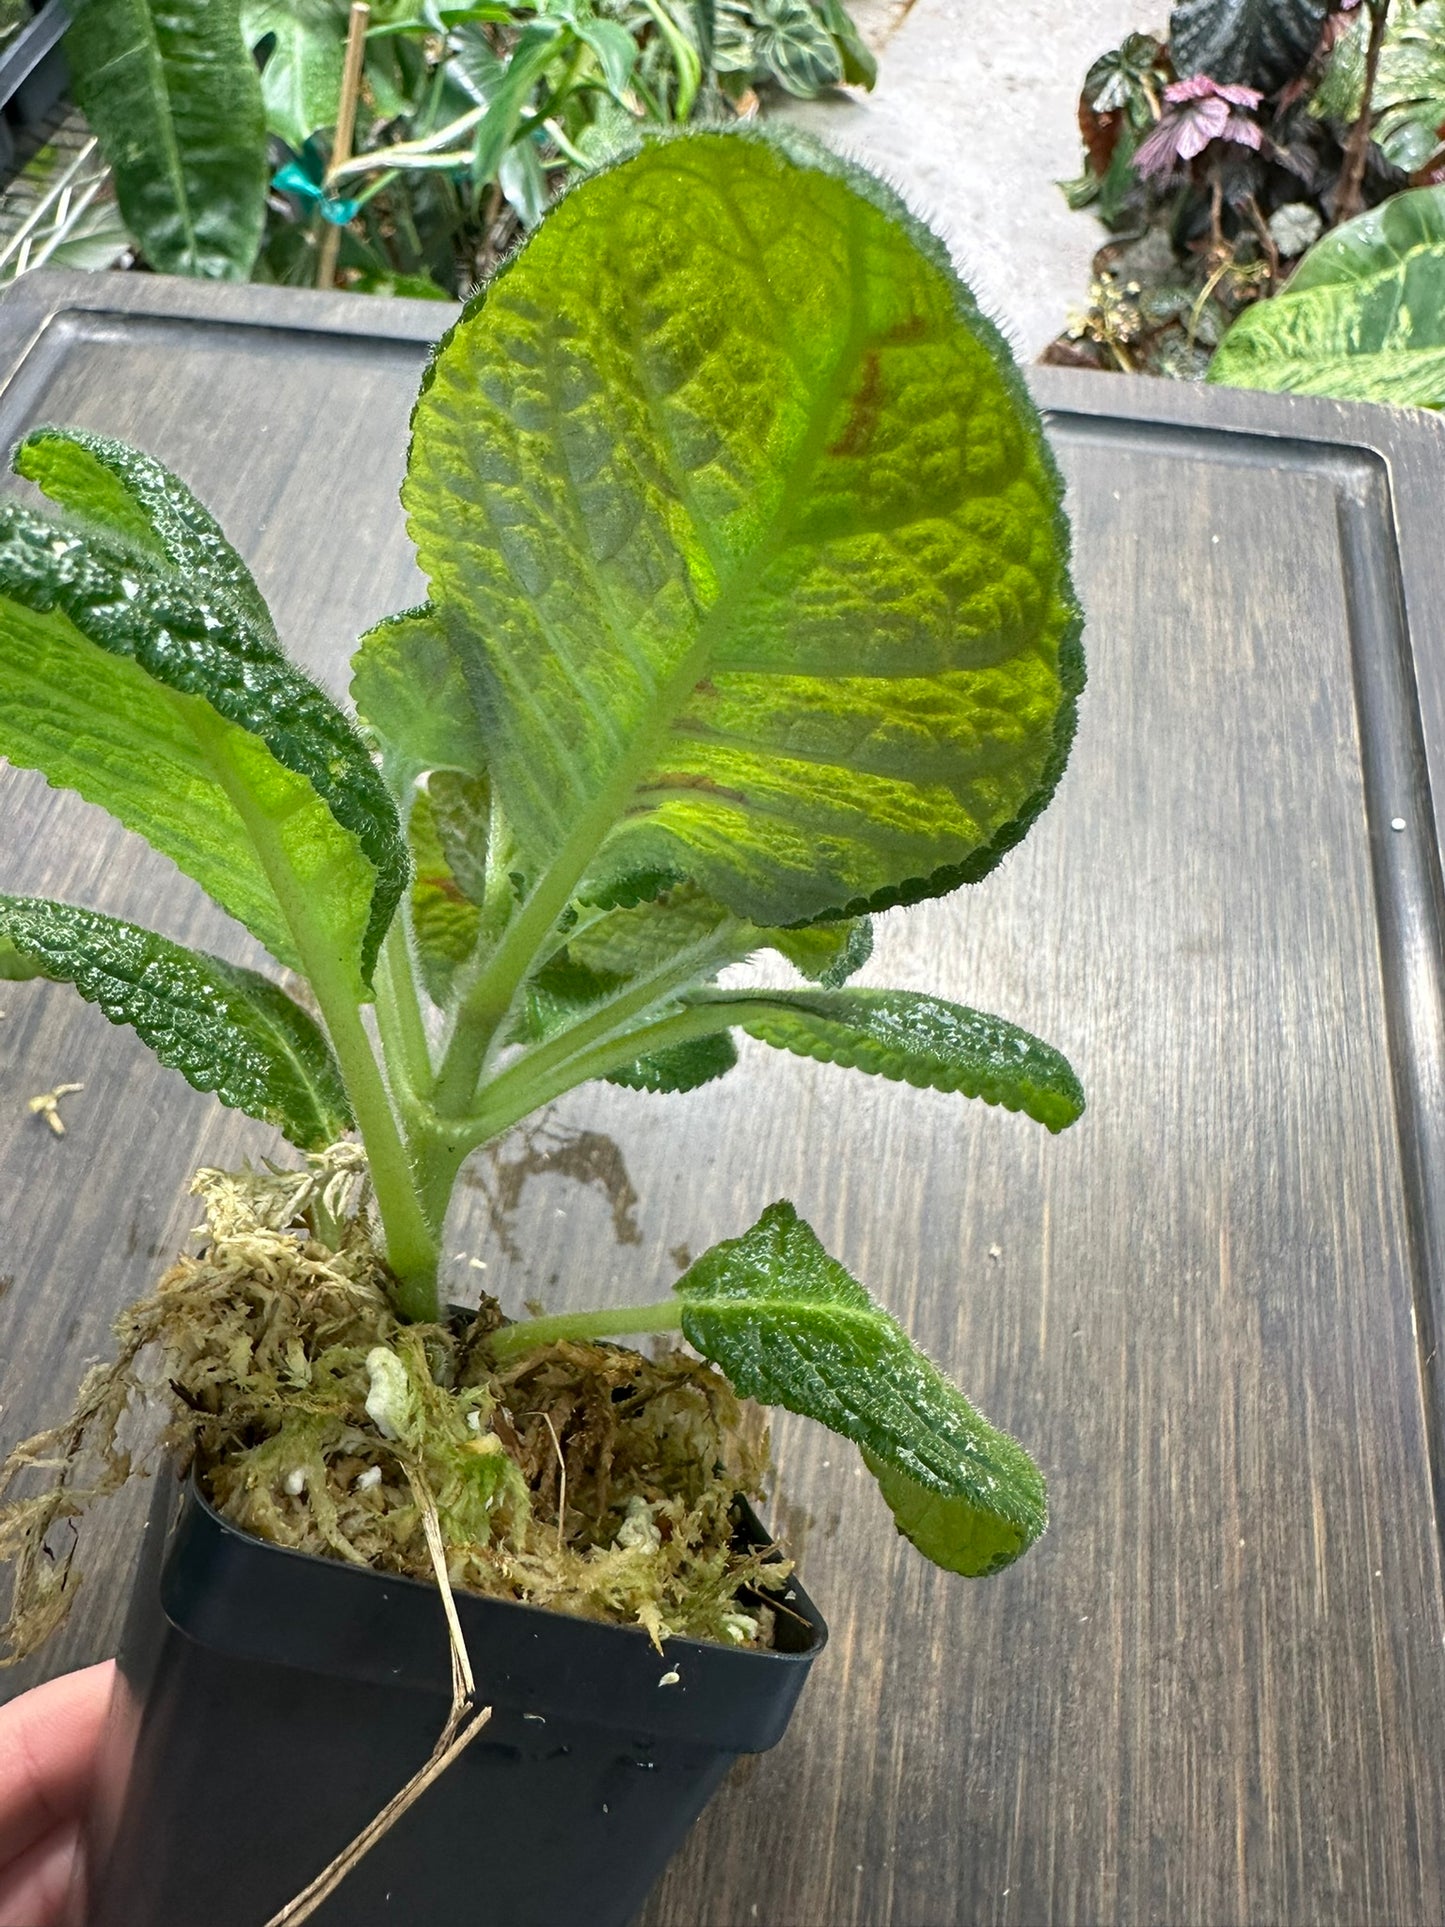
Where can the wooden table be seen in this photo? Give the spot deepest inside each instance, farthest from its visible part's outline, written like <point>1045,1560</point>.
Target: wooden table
<point>1216,1692</point>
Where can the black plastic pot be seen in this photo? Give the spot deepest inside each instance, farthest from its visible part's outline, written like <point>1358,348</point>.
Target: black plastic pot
<point>33,75</point>
<point>269,1704</point>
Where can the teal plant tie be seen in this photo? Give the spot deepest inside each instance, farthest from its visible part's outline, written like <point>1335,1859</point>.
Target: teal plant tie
<point>302,178</point>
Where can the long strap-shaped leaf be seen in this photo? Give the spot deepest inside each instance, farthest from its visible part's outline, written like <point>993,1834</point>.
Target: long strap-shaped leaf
<point>138,666</point>
<point>748,541</point>
<point>913,1038</point>
<point>790,1327</point>
<point>172,91</point>
<point>224,1029</point>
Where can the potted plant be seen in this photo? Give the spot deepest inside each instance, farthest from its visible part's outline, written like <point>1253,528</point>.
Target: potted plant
<point>749,615</point>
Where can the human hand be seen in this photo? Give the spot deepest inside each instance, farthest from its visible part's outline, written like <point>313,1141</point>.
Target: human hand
<point>49,1738</point>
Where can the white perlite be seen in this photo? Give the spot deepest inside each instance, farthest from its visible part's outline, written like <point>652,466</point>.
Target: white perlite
<point>388,1403</point>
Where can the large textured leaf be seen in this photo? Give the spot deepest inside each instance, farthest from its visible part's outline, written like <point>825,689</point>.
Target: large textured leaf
<point>742,524</point>
<point>790,1327</point>
<point>173,93</point>
<point>301,80</point>
<point>1262,43</point>
<point>139,667</point>
<point>224,1029</point>
<point>915,1039</point>
<point>1363,317</point>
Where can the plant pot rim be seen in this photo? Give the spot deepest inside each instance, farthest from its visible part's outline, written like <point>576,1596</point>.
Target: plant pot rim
<point>220,1587</point>
<point>43,31</point>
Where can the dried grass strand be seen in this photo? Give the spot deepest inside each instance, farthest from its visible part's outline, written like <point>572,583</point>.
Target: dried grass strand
<point>464,1722</point>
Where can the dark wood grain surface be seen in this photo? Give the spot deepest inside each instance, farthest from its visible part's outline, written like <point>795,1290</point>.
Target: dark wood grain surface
<point>1216,1691</point>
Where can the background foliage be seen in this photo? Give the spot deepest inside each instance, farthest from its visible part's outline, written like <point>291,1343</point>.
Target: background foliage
<point>219,118</point>
<point>1284,200</point>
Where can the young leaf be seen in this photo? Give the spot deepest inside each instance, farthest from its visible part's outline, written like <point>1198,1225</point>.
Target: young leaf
<point>567,990</point>
<point>681,1067</point>
<point>915,1039</point>
<point>224,1029</point>
<point>747,538</point>
<point>409,690</point>
<point>174,95</point>
<point>139,667</point>
<point>790,1327</point>
<point>444,919</point>
<point>826,953</point>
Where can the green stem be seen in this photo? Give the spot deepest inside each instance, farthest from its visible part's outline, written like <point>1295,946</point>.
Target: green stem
<point>641,994</point>
<point>490,995</point>
<point>520,1089</point>
<point>411,1245</point>
<point>411,1248</point>
<point>512,1341</point>
<point>404,1044</point>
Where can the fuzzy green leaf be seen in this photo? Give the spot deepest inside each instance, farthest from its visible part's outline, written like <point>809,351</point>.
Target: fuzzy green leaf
<point>445,921</point>
<point>826,953</point>
<point>915,1039</point>
<point>461,811</point>
<point>681,1067</point>
<point>748,540</point>
<point>17,966</point>
<point>224,1029</point>
<point>172,91</point>
<point>301,80</point>
<point>136,498</point>
<point>790,1327</point>
<point>409,690</point>
<point>568,990</point>
<point>1363,317</point>
<point>647,937</point>
<point>139,667</point>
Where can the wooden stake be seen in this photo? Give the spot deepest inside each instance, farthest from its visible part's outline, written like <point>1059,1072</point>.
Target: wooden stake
<point>345,130</point>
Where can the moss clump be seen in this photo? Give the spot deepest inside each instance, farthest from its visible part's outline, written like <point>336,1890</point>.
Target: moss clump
<point>583,1477</point>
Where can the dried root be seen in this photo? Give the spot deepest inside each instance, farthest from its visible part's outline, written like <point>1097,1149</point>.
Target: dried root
<point>583,1477</point>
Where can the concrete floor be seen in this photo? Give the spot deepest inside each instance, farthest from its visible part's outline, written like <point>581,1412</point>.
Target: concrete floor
<point>973,118</point>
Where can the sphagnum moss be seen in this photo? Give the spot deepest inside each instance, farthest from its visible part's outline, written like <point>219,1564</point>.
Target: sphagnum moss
<point>311,1413</point>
